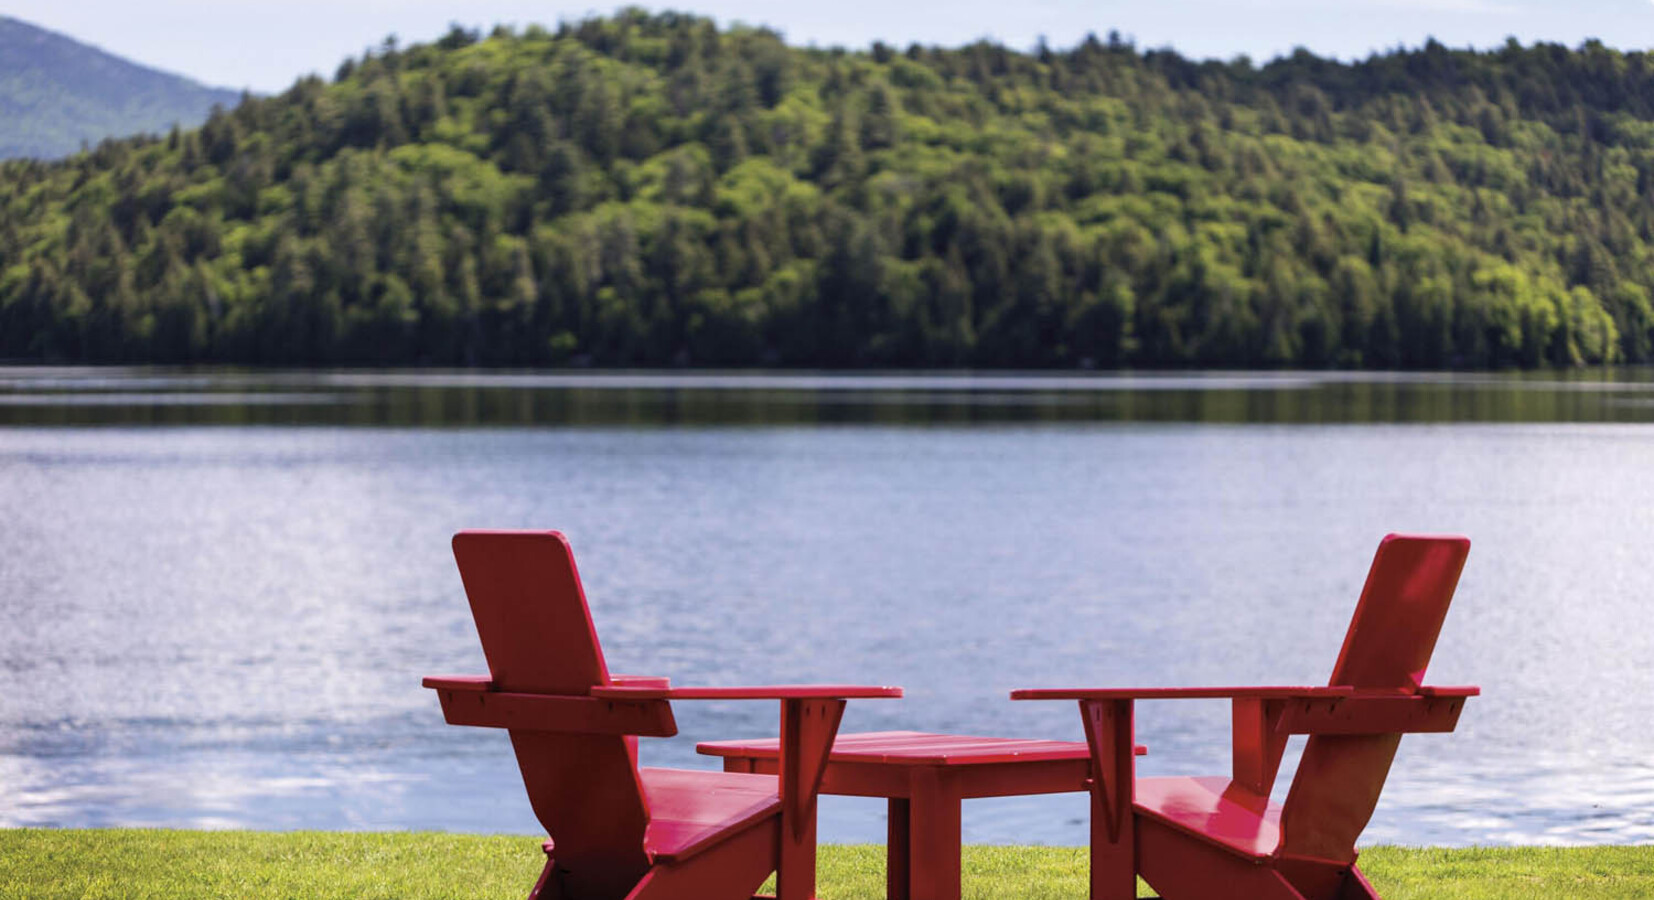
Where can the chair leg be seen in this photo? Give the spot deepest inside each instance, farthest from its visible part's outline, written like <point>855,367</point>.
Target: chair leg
<point>808,727</point>
<point>1325,880</point>
<point>1108,732</point>
<point>547,888</point>
<point>1357,887</point>
<point>1113,859</point>
<point>795,873</point>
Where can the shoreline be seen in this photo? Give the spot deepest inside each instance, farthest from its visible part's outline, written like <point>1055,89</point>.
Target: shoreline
<point>186,864</point>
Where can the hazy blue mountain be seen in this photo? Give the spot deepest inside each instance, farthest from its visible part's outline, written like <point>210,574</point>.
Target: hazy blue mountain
<point>56,93</point>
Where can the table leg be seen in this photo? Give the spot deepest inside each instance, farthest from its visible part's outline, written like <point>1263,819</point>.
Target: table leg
<point>934,836</point>
<point>897,858</point>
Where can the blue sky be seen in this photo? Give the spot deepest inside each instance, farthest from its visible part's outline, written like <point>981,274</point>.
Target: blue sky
<point>265,45</point>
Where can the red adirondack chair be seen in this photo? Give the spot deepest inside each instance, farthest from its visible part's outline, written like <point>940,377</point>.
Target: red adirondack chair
<point>618,830</point>
<point>1199,838</point>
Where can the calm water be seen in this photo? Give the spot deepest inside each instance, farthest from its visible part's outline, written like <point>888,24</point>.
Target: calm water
<point>222,622</point>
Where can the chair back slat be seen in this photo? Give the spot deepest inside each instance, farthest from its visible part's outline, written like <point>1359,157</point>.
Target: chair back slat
<point>530,612</point>
<point>538,638</point>
<point>1387,647</point>
<point>1396,623</point>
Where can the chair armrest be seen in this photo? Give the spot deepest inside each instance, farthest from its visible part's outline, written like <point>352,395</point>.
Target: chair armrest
<point>769,692</point>
<point>1186,693</point>
<point>1461,691</point>
<point>486,682</point>
<point>652,681</point>
<point>469,705</point>
<point>458,682</point>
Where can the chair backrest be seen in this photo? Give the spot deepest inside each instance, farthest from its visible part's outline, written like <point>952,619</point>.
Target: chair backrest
<point>1387,647</point>
<point>537,635</point>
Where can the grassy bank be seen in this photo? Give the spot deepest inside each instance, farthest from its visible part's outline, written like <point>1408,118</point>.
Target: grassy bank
<point>188,865</point>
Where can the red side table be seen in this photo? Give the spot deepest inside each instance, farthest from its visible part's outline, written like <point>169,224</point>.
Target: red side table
<point>925,776</point>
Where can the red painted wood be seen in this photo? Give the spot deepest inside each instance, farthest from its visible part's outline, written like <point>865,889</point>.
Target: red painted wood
<point>1371,716</point>
<point>934,835</point>
<point>1258,742</point>
<point>1214,809</point>
<point>723,871</point>
<point>808,727</point>
<point>486,682</point>
<point>458,682</point>
<point>807,731</point>
<point>1318,878</point>
<point>1393,632</point>
<point>651,681</point>
<point>618,831</point>
<point>1357,887</point>
<point>1462,691</point>
<point>1183,693</point>
<point>912,748</point>
<point>765,692</point>
<point>1108,734</point>
<point>546,887</point>
<point>1387,647</point>
<point>894,781</point>
<point>526,599</point>
<point>926,776</point>
<point>691,810</point>
<point>795,875</point>
<point>1204,837</point>
<point>573,715</point>
<point>1180,867</point>
<point>898,874</point>
<point>536,633</point>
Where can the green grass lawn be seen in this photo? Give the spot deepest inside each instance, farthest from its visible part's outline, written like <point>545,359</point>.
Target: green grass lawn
<point>186,865</point>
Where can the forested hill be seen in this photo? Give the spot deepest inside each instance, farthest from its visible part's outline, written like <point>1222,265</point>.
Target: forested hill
<point>57,95</point>
<point>650,190</point>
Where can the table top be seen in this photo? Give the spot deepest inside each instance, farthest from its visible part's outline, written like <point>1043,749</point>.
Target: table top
<point>915,748</point>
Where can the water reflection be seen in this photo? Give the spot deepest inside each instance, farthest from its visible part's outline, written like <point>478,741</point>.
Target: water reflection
<point>221,626</point>
<point>71,396</point>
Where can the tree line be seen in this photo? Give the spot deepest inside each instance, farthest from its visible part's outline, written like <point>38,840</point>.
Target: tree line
<point>649,189</point>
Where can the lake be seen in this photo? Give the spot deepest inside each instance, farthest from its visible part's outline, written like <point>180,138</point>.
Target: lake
<point>219,589</point>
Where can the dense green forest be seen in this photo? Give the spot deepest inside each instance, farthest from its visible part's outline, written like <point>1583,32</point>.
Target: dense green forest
<point>652,190</point>
<point>58,95</point>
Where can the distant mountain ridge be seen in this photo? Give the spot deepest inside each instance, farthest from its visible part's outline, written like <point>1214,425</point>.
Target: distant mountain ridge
<point>56,93</point>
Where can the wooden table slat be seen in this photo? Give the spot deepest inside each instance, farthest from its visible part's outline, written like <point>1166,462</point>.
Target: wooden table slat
<point>915,748</point>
